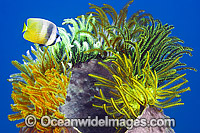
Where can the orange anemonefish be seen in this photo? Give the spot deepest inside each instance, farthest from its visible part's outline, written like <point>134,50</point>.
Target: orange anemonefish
<point>41,31</point>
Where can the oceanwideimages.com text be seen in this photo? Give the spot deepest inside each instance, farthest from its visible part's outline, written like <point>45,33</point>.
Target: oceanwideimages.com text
<point>46,121</point>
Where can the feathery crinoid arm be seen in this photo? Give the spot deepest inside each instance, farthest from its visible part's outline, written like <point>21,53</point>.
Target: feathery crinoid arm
<point>39,89</point>
<point>133,93</point>
<point>137,35</point>
<point>114,33</point>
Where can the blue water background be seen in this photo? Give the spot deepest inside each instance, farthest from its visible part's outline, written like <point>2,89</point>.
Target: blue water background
<point>183,14</point>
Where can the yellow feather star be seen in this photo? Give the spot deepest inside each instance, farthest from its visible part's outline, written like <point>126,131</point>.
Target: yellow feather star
<point>133,93</point>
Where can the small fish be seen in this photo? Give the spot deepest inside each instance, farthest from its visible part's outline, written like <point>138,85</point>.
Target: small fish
<point>41,31</point>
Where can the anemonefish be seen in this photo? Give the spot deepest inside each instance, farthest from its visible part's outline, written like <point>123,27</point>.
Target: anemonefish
<point>41,31</point>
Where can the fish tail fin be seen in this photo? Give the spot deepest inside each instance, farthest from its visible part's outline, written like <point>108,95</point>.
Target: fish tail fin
<point>24,28</point>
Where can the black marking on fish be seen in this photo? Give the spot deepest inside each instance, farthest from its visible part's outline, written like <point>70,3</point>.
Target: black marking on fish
<point>49,31</point>
<point>57,35</point>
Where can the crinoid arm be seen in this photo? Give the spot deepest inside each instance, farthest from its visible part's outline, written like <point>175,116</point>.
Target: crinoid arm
<point>133,93</point>
<point>40,88</point>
